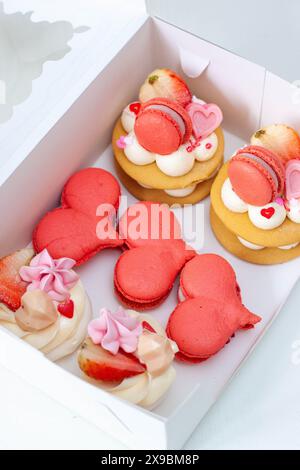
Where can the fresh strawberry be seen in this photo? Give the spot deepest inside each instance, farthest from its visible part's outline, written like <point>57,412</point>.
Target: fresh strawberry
<point>100,364</point>
<point>281,139</point>
<point>147,326</point>
<point>11,286</point>
<point>164,83</point>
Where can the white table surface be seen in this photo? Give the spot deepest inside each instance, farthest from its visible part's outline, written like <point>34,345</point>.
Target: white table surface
<point>260,408</point>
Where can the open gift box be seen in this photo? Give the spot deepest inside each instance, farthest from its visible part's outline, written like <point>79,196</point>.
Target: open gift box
<point>76,133</point>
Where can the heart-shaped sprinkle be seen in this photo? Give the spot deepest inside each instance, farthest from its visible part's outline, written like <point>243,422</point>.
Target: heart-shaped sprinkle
<point>135,107</point>
<point>66,309</point>
<point>292,179</point>
<point>206,118</point>
<point>268,212</point>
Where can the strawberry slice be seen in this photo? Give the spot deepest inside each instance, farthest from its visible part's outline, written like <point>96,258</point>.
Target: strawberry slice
<point>147,326</point>
<point>164,83</point>
<point>100,364</point>
<point>11,285</point>
<point>281,139</point>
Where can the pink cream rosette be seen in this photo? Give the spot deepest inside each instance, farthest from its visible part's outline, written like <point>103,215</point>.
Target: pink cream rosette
<point>53,276</point>
<point>114,331</point>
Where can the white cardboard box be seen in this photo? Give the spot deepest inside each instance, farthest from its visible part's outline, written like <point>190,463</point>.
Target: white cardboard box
<point>76,133</point>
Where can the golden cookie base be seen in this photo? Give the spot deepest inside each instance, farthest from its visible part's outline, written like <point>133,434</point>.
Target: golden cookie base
<point>230,242</point>
<point>157,195</point>
<point>150,175</point>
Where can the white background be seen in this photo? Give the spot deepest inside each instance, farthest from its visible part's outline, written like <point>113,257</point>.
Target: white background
<point>260,408</point>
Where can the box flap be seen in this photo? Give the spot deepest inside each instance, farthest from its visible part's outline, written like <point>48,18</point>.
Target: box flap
<point>51,53</point>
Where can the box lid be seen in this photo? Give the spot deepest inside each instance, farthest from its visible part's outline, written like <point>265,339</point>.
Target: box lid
<point>52,51</point>
<point>265,32</point>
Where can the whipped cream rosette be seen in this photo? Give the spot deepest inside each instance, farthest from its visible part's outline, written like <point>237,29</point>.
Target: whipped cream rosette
<point>129,355</point>
<point>43,302</point>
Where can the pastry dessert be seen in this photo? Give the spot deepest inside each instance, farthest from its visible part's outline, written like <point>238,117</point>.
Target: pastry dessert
<point>83,225</point>
<point>146,271</point>
<point>129,355</point>
<point>255,199</point>
<point>43,302</point>
<point>168,146</point>
<point>210,309</point>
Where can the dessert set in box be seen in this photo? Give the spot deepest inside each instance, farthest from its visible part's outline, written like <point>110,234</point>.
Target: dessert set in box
<point>76,134</point>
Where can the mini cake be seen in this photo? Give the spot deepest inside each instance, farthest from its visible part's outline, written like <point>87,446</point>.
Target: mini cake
<point>43,302</point>
<point>255,199</point>
<point>210,309</point>
<point>129,355</point>
<point>145,272</point>
<point>168,146</point>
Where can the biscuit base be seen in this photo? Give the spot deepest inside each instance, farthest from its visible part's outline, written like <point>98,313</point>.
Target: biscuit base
<point>201,191</point>
<point>230,242</point>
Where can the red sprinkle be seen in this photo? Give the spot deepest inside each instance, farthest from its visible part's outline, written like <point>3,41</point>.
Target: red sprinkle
<point>135,107</point>
<point>208,146</point>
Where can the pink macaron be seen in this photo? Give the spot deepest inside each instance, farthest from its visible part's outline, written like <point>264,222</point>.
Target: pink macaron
<point>257,175</point>
<point>162,125</point>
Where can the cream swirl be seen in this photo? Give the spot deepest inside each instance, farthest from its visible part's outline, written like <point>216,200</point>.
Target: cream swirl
<point>157,352</point>
<point>60,338</point>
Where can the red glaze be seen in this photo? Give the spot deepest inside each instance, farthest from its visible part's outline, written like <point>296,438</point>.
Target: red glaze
<point>213,311</point>
<point>251,180</point>
<point>158,131</point>
<point>73,230</point>
<point>145,274</point>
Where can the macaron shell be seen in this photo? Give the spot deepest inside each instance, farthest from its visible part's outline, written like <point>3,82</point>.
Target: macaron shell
<point>88,188</point>
<point>150,175</point>
<point>139,276</point>
<point>245,176</point>
<point>246,173</point>
<point>71,230</point>
<point>174,106</point>
<point>230,242</point>
<point>160,225</point>
<point>157,132</point>
<point>201,191</point>
<point>193,325</point>
<point>240,224</point>
<point>219,285</point>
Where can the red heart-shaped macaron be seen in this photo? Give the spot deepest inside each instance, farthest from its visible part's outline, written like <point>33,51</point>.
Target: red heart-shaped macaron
<point>83,225</point>
<point>210,310</point>
<point>145,274</point>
